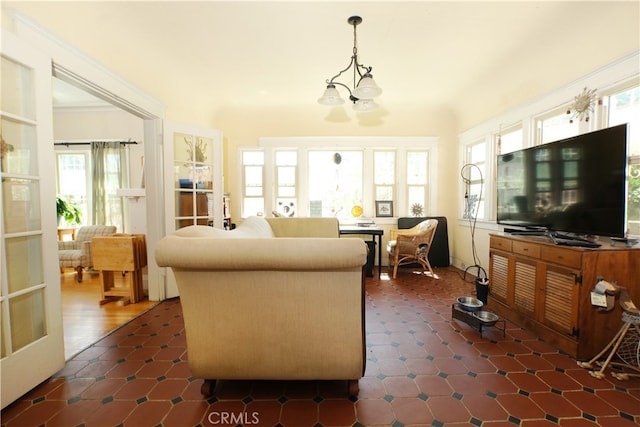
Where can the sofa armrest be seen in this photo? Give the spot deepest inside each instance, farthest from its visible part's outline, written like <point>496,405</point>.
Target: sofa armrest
<point>274,254</point>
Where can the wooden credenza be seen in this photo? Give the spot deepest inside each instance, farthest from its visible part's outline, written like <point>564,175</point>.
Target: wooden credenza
<point>546,289</point>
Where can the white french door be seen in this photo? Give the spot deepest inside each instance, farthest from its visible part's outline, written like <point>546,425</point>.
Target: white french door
<point>32,343</point>
<point>193,181</point>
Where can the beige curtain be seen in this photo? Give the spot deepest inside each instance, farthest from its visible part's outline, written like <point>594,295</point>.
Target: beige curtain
<point>109,174</point>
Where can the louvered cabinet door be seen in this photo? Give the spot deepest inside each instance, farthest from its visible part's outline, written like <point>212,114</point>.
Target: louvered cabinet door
<point>525,285</point>
<point>499,276</point>
<point>561,294</point>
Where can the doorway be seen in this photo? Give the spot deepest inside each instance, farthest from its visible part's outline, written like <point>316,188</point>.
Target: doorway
<point>78,118</point>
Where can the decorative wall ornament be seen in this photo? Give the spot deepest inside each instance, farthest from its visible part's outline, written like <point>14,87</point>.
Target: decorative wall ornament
<point>416,210</point>
<point>583,105</point>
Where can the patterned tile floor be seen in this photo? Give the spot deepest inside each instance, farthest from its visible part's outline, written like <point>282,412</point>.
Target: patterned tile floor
<point>423,369</point>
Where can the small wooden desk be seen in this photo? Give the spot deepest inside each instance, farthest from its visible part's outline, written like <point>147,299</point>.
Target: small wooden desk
<point>124,254</point>
<point>369,231</point>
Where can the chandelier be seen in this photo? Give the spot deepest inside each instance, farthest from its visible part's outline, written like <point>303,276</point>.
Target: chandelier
<point>364,87</point>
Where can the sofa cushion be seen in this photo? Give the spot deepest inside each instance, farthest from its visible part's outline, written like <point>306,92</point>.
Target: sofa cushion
<point>251,228</point>
<point>305,227</point>
<point>199,231</point>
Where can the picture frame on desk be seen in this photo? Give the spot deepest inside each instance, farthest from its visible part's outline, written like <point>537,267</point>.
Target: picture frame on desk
<point>384,208</point>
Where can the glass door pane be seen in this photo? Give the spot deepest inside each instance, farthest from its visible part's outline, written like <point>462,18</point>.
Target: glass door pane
<point>193,171</point>
<point>193,181</point>
<point>21,207</point>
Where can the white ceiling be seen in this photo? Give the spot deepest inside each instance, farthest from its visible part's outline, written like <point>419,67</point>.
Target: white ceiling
<point>457,55</point>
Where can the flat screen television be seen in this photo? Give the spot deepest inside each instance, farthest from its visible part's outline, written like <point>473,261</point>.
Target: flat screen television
<point>575,185</point>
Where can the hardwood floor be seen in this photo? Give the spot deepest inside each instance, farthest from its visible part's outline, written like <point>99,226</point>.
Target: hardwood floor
<point>85,321</point>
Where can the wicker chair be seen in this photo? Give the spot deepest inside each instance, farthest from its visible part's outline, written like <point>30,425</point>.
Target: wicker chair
<point>77,253</point>
<point>411,245</point>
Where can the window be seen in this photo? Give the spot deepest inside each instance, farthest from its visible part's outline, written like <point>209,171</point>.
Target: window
<point>335,182</point>
<point>384,175</point>
<point>253,183</point>
<point>73,175</point>
<point>286,163</point>
<point>510,141</point>
<point>330,176</point>
<point>555,126</point>
<point>76,182</point>
<point>417,182</point>
<point>473,175</point>
<point>624,107</point>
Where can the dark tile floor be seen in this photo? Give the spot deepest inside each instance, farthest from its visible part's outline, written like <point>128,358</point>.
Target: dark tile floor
<point>423,369</point>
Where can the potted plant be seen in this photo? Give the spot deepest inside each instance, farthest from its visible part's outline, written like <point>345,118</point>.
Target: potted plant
<point>68,210</point>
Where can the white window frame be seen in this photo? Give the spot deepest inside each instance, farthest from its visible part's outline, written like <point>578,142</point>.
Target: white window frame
<point>86,153</point>
<point>603,117</point>
<point>368,145</point>
<point>487,191</point>
<point>583,127</point>
<point>402,165</point>
<point>277,185</point>
<point>266,189</point>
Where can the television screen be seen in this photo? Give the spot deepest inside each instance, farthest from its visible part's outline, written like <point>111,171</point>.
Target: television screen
<point>576,185</point>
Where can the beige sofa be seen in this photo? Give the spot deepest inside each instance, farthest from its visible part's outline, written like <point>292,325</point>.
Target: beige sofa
<point>274,299</point>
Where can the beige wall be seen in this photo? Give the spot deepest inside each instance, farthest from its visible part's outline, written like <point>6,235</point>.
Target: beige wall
<point>243,127</point>
<point>102,124</point>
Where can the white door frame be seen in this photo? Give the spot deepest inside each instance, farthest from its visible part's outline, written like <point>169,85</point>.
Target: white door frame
<point>83,72</point>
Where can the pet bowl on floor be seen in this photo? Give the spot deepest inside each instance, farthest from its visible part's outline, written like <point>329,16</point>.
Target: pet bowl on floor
<point>469,303</point>
<point>486,317</point>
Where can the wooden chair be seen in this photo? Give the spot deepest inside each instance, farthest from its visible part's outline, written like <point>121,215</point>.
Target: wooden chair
<point>411,245</point>
<point>77,253</point>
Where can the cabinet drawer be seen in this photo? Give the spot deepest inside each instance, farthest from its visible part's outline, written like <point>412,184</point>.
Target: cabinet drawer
<point>527,249</point>
<point>562,256</point>
<point>500,243</point>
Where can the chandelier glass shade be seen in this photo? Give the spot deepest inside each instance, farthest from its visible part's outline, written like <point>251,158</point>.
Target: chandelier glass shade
<point>364,87</point>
